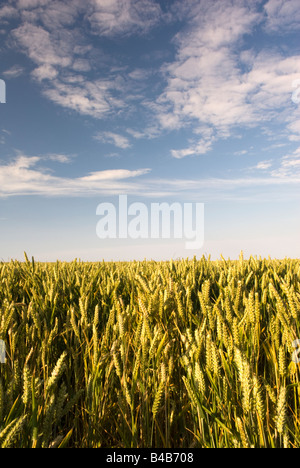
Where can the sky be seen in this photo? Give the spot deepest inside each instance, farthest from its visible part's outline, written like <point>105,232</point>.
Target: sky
<point>164,101</point>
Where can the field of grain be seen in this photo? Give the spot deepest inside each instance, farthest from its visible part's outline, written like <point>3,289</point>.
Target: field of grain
<point>186,353</point>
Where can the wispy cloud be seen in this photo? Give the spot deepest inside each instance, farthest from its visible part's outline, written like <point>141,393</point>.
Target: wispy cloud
<point>123,17</point>
<point>282,15</point>
<point>205,82</point>
<point>29,4</point>
<point>25,175</point>
<point>63,58</point>
<point>294,129</point>
<point>289,166</point>
<point>3,135</point>
<point>45,72</point>
<point>263,165</point>
<point>61,158</point>
<point>42,47</point>
<point>111,175</point>
<point>7,12</point>
<point>51,36</point>
<point>113,138</point>
<point>197,146</point>
<point>29,175</point>
<point>93,98</point>
<point>215,81</point>
<point>201,147</point>
<point>14,72</point>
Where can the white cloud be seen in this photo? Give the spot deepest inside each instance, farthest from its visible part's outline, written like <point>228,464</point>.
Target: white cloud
<point>214,187</point>
<point>42,47</point>
<point>294,128</point>
<point>62,59</point>
<point>263,165</point>
<point>81,65</point>
<point>8,11</point>
<point>45,72</point>
<point>88,99</point>
<point>135,133</point>
<point>139,74</point>
<point>201,147</point>
<point>116,174</point>
<point>212,82</point>
<point>61,158</point>
<point>179,154</point>
<point>28,175</point>
<point>52,14</point>
<point>205,82</point>
<point>215,82</point>
<point>271,80</point>
<point>125,17</point>
<point>282,15</point>
<point>289,167</point>
<point>31,3</point>
<point>23,176</point>
<point>13,72</point>
<point>113,138</point>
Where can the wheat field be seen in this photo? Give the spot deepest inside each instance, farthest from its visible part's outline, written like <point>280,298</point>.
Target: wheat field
<point>178,354</point>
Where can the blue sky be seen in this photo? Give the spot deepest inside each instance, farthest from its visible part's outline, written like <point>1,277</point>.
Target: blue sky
<point>164,101</point>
